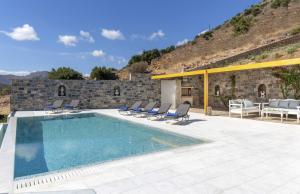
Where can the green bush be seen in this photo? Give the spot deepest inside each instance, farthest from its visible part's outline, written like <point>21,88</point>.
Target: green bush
<point>167,50</point>
<point>277,55</point>
<point>280,3</point>
<point>139,67</point>
<point>65,73</point>
<point>3,118</point>
<point>253,10</point>
<point>241,24</point>
<point>291,50</point>
<point>295,31</point>
<point>208,35</point>
<point>103,73</point>
<point>5,90</point>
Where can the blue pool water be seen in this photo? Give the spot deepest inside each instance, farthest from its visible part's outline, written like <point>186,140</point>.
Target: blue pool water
<point>47,144</point>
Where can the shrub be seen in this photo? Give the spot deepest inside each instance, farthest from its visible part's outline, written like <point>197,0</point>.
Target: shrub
<point>167,50</point>
<point>253,10</point>
<point>295,31</point>
<point>65,73</point>
<point>3,118</point>
<point>277,55</point>
<point>291,50</point>
<point>208,35</point>
<point>103,73</point>
<point>5,90</point>
<point>261,57</point>
<point>140,67</point>
<point>241,24</point>
<point>280,3</point>
<point>275,3</point>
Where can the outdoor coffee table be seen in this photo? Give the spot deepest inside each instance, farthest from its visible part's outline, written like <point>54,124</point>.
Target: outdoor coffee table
<point>280,112</point>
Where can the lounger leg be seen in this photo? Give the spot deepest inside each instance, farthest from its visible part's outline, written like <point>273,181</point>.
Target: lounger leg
<point>241,115</point>
<point>281,117</point>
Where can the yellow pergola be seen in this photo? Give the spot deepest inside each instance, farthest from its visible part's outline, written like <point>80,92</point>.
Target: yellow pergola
<point>232,68</point>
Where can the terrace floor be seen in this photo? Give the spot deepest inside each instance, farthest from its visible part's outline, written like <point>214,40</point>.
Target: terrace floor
<point>243,156</point>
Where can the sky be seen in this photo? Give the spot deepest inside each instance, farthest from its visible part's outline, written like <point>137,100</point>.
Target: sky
<point>38,35</point>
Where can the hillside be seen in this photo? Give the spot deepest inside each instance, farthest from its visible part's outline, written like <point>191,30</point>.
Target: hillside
<point>261,24</point>
<point>6,79</point>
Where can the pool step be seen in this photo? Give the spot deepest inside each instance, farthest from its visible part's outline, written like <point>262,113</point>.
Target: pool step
<point>30,184</point>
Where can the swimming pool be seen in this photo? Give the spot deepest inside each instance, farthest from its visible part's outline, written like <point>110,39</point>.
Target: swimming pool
<point>52,143</point>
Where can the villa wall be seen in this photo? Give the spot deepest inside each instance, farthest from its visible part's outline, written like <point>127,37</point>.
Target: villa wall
<point>35,94</point>
<point>247,84</point>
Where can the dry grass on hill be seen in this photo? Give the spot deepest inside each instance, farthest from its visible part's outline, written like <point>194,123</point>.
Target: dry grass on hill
<point>268,26</point>
<point>4,105</point>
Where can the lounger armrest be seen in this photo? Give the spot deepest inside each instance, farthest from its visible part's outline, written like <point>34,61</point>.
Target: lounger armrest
<point>236,104</point>
<point>265,104</point>
<point>298,107</point>
<point>258,105</point>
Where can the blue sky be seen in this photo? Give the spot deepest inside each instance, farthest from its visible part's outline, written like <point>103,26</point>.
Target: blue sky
<point>38,35</point>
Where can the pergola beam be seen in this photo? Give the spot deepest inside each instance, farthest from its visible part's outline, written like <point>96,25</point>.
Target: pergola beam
<point>250,66</point>
<point>232,68</point>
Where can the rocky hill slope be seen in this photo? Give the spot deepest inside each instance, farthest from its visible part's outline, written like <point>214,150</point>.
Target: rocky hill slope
<point>6,79</point>
<point>261,24</point>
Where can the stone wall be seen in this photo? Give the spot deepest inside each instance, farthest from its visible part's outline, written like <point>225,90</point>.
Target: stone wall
<point>35,94</point>
<point>256,51</point>
<point>247,86</point>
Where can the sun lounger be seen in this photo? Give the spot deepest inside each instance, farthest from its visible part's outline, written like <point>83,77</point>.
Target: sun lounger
<point>73,105</point>
<point>127,109</point>
<point>56,106</point>
<point>181,112</point>
<point>149,107</point>
<point>163,109</point>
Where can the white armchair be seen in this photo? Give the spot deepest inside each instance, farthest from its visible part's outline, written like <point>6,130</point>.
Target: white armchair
<point>243,107</point>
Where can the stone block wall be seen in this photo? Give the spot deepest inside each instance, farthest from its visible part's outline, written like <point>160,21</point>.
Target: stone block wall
<point>35,94</point>
<point>247,86</point>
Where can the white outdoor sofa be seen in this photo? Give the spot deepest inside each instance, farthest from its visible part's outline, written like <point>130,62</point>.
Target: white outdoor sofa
<point>282,107</point>
<point>243,107</point>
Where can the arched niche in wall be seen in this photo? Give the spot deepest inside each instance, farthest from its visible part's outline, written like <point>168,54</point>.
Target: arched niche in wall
<point>217,90</point>
<point>262,91</point>
<point>116,91</point>
<point>61,91</point>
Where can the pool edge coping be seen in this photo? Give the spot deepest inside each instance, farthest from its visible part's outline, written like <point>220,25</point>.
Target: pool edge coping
<point>7,153</point>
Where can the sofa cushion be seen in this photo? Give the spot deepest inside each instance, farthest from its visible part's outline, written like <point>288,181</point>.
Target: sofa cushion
<point>273,103</point>
<point>284,104</point>
<point>248,104</point>
<point>293,104</point>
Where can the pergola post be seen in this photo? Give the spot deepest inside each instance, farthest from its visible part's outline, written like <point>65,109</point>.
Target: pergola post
<point>206,92</point>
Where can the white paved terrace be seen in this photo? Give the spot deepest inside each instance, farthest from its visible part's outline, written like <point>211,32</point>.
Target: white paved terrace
<point>243,157</point>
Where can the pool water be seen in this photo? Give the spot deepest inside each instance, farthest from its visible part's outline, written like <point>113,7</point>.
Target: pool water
<point>47,144</point>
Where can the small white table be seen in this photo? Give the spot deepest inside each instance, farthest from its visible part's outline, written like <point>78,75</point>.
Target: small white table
<point>280,112</point>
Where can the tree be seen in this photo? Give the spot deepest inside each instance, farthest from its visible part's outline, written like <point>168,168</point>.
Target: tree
<point>135,59</point>
<point>103,73</point>
<point>65,73</point>
<point>148,56</point>
<point>167,50</point>
<point>140,67</point>
<point>289,81</point>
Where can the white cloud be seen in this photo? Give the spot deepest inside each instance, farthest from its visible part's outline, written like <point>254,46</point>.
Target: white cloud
<point>86,36</point>
<point>18,73</point>
<point>67,40</point>
<point>98,53</point>
<point>182,42</point>
<point>158,34</point>
<point>23,33</point>
<point>112,34</point>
